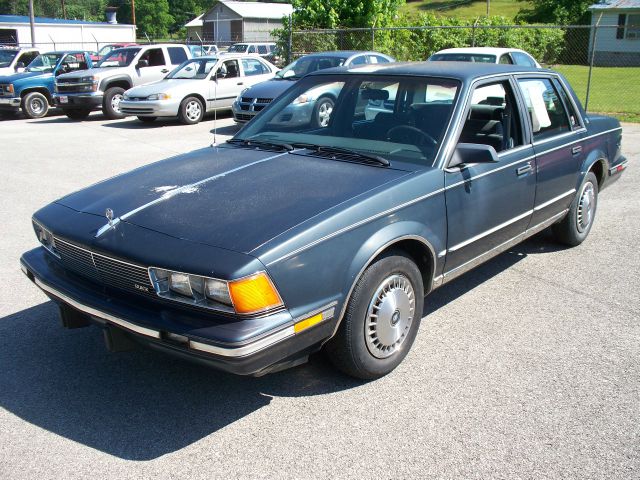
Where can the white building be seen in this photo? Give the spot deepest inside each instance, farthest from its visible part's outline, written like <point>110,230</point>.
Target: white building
<point>233,21</point>
<point>617,41</point>
<point>59,34</point>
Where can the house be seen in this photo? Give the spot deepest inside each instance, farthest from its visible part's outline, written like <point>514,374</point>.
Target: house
<point>60,34</point>
<point>616,41</point>
<point>230,21</point>
<point>194,29</point>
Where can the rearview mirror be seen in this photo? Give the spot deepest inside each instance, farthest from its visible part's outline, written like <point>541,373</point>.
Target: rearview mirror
<point>19,66</point>
<point>466,153</point>
<point>142,64</point>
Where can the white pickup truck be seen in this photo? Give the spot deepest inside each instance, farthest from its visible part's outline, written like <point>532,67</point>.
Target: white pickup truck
<point>78,93</point>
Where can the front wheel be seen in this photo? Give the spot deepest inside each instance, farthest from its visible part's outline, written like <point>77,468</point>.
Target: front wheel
<point>576,225</point>
<point>382,319</point>
<point>77,114</point>
<point>111,103</point>
<point>191,111</point>
<point>35,105</point>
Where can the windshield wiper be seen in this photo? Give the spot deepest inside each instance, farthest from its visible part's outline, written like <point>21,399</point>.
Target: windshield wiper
<point>260,143</point>
<point>354,155</point>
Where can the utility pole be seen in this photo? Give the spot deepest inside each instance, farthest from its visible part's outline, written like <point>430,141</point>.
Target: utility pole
<point>133,11</point>
<point>488,1</point>
<point>32,24</point>
<point>64,10</point>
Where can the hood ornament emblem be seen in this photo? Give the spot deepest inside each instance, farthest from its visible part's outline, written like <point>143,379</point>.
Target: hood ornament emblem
<point>111,222</point>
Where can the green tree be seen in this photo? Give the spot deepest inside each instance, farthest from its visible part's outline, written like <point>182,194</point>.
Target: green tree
<point>344,13</point>
<point>563,12</point>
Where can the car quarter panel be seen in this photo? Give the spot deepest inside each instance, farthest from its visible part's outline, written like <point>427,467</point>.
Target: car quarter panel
<point>320,263</point>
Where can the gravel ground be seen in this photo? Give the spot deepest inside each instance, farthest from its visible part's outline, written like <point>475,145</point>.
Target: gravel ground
<point>526,367</point>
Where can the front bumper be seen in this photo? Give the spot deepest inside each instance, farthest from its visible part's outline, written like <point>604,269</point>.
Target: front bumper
<point>78,100</point>
<point>185,333</point>
<point>298,114</point>
<point>150,108</point>
<point>10,103</point>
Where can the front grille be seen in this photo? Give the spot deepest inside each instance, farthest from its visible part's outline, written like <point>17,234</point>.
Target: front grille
<point>136,110</point>
<point>246,99</point>
<point>103,269</point>
<point>243,116</point>
<point>264,100</point>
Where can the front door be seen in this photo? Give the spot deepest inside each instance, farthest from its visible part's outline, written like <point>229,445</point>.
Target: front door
<point>226,85</point>
<point>157,66</point>
<point>489,204</point>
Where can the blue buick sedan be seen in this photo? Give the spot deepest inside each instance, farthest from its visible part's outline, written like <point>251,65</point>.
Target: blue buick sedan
<point>294,237</point>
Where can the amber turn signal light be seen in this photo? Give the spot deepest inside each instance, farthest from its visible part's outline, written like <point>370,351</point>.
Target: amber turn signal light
<point>254,294</point>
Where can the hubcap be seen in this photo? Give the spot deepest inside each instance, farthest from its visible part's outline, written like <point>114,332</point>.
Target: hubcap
<point>37,106</point>
<point>586,207</point>
<point>324,114</point>
<point>193,110</point>
<point>115,102</point>
<point>389,316</point>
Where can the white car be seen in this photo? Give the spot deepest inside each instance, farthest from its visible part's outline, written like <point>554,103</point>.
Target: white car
<point>197,86</point>
<point>15,59</point>
<point>509,56</point>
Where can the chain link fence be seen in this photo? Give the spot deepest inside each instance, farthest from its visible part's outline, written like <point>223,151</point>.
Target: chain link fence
<point>602,65</point>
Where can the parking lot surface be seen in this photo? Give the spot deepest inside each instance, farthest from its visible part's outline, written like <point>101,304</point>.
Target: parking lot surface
<point>527,367</point>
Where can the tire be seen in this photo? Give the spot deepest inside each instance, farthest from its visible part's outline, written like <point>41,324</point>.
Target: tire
<point>35,105</point>
<point>191,111</point>
<point>381,320</point>
<point>111,102</point>
<point>322,112</point>
<point>576,225</point>
<point>77,114</point>
<point>147,119</point>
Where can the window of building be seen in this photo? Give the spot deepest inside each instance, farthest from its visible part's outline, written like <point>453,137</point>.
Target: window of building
<point>632,32</point>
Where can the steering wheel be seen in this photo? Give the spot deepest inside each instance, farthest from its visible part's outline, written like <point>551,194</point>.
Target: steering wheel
<point>424,137</point>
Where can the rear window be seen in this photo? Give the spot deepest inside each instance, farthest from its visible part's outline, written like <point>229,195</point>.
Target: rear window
<point>463,57</point>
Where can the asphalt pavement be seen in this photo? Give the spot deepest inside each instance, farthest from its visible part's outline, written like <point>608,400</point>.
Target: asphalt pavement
<point>527,367</point>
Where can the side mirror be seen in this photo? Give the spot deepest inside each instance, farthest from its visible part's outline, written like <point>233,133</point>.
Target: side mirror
<point>19,66</point>
<point>142,64</point>
<point>466,153</point>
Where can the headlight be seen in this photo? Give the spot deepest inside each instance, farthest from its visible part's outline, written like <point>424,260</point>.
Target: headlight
<point>89,79</point>
<point>45,237</point>
<point>159,96</point>
<point>304,98</point>
<point>249,295</point>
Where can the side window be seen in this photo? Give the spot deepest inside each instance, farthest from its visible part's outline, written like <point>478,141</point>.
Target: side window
<point>523,59</point>
<point>27,57</point>
<point>252,49</point>
<point>262,49</point>
<point>154,56</point>
<point>73,62</point>
<point>251,66</point>
<point>493,118</point>
<point>359,60</point>
<point>546,110</point>
<point>506,59</point>
<point>574,120</point>
<point>232,68</point>
<point>177,55</point>
<point>379,59</point>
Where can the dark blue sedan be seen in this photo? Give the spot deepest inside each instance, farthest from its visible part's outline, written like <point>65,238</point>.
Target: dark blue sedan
<point>295,236</point>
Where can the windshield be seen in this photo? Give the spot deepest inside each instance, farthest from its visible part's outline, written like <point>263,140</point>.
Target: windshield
<point>7,56</point>
<point>238,47</point>
<point>393,117</point>
<point>120,57</point>
<point>45,62</point>
<point>463,57</point>
<point>309,64</point>
<point>195,69</point>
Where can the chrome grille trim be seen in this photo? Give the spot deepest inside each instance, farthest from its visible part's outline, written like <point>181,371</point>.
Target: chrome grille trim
<point>106,270</point>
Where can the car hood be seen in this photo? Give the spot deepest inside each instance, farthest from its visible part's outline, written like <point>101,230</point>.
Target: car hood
<point>165,86</point>
<point>269,89</point>
<point>17,77</point>
<point>98,72</point>
<point>228,197</point>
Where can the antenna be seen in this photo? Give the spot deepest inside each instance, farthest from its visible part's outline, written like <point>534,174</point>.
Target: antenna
<point>215,110</point>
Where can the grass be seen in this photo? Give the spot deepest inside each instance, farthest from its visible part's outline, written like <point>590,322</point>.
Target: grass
<point>615,91</point>
<point>471,10</point>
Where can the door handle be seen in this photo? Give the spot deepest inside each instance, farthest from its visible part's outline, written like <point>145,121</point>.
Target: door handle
<point>576,150</point>
<point>165,70</point>
<point>240,83</point>
<point>524,169</point>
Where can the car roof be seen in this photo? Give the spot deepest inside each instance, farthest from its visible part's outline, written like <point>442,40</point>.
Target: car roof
<point>464,71</point>
<point>479,50</point>
<point>343,53</point>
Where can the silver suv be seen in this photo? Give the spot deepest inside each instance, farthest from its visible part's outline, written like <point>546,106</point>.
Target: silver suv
<point>121,69</point>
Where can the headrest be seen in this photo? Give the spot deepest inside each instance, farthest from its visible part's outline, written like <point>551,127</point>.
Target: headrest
<point>486,112</point>
<point>374,94</point>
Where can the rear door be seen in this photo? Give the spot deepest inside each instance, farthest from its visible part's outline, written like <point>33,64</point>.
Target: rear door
<point>489,204</point>
<point>253,71</point>
<point>557,142</point>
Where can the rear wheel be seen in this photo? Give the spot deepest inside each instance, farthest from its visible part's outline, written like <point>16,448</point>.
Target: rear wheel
<point>322,112</point>
<point>576,225</point>
<point>111,103</point>
<point>147,119</point>
<point>191,111</point>
<point>382,319</point>
<point>35,105</point>
<point>77,114</point>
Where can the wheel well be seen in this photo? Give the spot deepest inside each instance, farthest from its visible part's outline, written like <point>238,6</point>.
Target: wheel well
<point>43,91</point>
<point>419,253</point>
<point>598,169</point>
<point>118,83</point>
<point>199,97</point>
